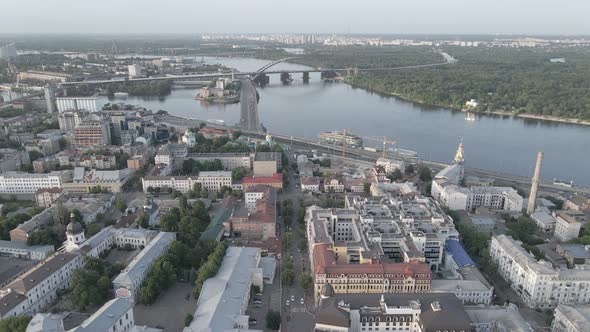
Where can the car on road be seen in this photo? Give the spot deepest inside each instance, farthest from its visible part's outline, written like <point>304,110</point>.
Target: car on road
<point>258,294</point>
<point>302,302</point>
<point>257,302</point>
<point>287,303</point>
<point>292,297</point>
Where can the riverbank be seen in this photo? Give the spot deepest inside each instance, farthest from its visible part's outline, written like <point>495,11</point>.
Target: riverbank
<point>498,112</point>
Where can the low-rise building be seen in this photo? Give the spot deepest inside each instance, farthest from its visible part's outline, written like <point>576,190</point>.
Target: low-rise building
<point>333,184</point>
<point>84,180</point>
<point>46,196</point>
<point>167,154</point>
<point>37,288</point>
<point>275,181</point>
<point>88,161</point>
<point>22,250</point>
<point>354,185</point>
<point>390,165</point>
<point>89,205</point>
<point>577,203</point>
<point>210,133</point>
<point>223,300</point>
<point>21,232</point>
<point>544,220</point>
<point>137,161</point>
<point>455,197</point>
<point>497,318</point>
<point>131,278</point>
<point>310,184</point>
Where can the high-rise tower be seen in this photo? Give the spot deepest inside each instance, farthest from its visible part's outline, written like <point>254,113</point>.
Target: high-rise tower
<point>535,184</point>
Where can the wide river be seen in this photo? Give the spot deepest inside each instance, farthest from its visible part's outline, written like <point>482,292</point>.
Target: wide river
<point>494,143</point>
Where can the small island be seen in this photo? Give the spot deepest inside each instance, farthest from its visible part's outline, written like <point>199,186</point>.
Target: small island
<point>221,91</point>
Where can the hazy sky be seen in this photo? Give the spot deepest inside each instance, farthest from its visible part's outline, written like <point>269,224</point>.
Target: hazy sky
<point>364,16</point>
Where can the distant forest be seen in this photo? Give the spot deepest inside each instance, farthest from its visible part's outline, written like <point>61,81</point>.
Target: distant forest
<point>519,80</point>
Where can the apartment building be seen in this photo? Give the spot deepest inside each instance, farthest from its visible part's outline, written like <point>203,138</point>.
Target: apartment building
<point>390,165</point>
<point>275,181</point>
<point>567,226</point>
<point>46,196</point>
<point>539,284</point>
<point>571,318</point>
<point>88,161</point>
<point>455,197</point>
<point>84,180</point>
<point>21,232</point>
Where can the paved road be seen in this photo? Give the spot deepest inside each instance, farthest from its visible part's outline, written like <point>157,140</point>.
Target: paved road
<point>295,316</point>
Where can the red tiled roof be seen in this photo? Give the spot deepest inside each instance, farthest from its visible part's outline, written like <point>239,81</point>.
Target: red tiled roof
<point>49,190</point>
<point>310,180</point>
<point>325,263</point>
<point>275,178</point>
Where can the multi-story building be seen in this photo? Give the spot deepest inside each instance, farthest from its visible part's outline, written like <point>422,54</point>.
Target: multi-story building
<point>257,219</point>
<point>171,154</point>
<point>65,104</point>
<point>459,198</point>
<point>37,288</point>
<point>68,121</point>
<point>571,318</point>
<point>110,237</point>
<point>13,160</point>
<point>567,226</point>
<point>229,161</point>
<point>88,204</point>
<point>46,196</point>
<point>537,282</point>
<point>223,300</point>
<point>189,138</point>
<point>213,181</point>
<point>135,71</point>
<point>28,183</point>
<point>390,312</point>
<point>266,163</point>
<point>356,259</point>
<point>92,133</point>
<point>133,275</point>
<point>137,161</point>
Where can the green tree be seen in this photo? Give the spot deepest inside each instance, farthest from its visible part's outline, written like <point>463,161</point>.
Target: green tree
<point>409,169</point>
<point>60,213</point>
<point>395,175</point>
<point>142,220</point>
<point>273,320</point>
<point>425,173</point>
<point>92,229</point>
<point>120,205</point>
<point>367,188</point>
<point>306,282</point>
<point>15,324</point>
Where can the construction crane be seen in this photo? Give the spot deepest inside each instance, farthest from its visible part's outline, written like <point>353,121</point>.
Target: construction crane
<point>385,141</point>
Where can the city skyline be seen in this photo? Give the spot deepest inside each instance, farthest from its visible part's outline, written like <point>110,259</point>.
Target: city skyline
<point>376,17</point>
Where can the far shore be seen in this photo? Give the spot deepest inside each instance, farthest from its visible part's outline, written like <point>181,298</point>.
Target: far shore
<point>498,112</point>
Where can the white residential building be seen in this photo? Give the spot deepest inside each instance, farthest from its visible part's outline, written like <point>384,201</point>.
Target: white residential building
<point>169,152</point>
<point>544,220</point>
<point>229,161</point>
<point>65,104</point>
<point>310,184</point>
<point>333,184</point>
<point>22,250</point>
<point>390,165</point>
<point>252,195</point>
<point>189,138</point>
<point>133,275</point>
<point>212,181</point>
<point>566,227</point>
<point>135,71</point>
<point>29,183</point>
<point>224,298</point>
<point>459,198</point>
<point>37,288</point>
<point>570,318</point>
<point>109,237</point>
<point>537,282</point>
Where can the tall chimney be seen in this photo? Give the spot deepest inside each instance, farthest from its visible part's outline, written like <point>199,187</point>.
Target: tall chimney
<point>535,184</point>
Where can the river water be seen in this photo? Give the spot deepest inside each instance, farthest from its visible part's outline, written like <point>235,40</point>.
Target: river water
<point>494,143</point>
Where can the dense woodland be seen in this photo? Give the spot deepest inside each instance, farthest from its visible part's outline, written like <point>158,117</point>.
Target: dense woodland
<point>520,80</point>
